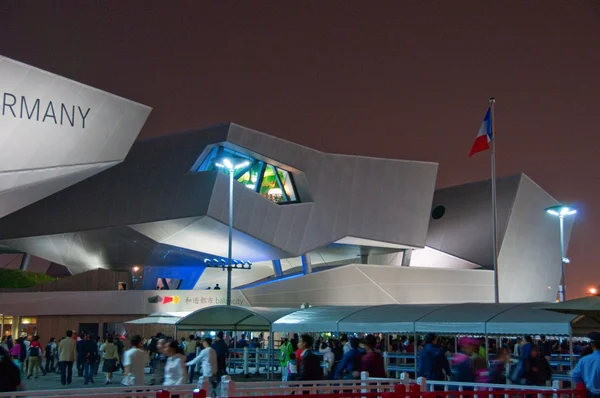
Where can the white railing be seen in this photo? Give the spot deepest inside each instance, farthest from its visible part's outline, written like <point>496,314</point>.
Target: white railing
<point>230,388</point>
<point>434,385</point>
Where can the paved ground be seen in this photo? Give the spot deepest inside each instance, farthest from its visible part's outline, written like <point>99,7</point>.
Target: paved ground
<point>52,381</point>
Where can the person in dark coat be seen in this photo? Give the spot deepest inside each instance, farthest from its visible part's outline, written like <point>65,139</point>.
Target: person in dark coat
<point>537,370</point>
<point>432,361</point>
<point>310,366</point>
<point>222,350</point>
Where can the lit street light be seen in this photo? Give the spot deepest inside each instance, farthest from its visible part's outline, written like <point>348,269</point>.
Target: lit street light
<point>228,165</point>
<point>593,291</point>
<point>562,211</point>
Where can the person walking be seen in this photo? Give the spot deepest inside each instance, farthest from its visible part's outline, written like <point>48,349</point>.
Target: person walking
<point>175,372</point>
<point>372,361</point>
<point>586,374</point>
<point>134,361</point>
<point>50,353</point>
<point>89,351</point>
<point>158,376</point>
<point>285,350</point>
<point>34,353</point>
<point>111,358</point>
<point>10,376</point>
<point>208,360</point>
<point>222,350</point>
<point>432,361</point>
<point>310,364</point>
<point>190,354</point>
<point>67,352</point>
<point>349,366</point>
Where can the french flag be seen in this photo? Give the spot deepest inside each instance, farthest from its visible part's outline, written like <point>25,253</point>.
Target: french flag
<point>484,137</point>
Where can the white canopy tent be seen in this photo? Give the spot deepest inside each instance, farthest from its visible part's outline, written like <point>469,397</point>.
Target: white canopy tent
<point>529,319</point>
<point>315,319</point>
<point>393,318</point>
<point>221,317</point>
<point>159,318</point>
<point>468,318</point>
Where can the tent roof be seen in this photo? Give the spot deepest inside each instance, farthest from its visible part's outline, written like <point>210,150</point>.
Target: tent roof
<point>582,306</point>
<point>315,319</point>
<point>159,318</point>
<point>470,318</point>
<point>257,319</point>
<point>527,319</point>
<point>393,318</point>
<point>460,318</point>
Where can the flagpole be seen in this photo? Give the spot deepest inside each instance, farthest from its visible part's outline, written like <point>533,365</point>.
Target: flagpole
<point>494,214</point>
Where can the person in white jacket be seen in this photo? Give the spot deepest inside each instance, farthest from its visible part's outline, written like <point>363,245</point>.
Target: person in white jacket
<point>175,369</point>
<point>328,357</point>
<point>208,360</point>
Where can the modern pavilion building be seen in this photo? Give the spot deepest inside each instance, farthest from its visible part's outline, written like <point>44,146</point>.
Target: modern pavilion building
<point>317,228</point>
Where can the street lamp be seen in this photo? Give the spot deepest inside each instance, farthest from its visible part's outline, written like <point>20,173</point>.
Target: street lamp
<point>562,211</point>
<point>228,165</point>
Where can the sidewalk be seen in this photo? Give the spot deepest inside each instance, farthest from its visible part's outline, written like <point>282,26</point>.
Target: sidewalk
<point>52,381</point>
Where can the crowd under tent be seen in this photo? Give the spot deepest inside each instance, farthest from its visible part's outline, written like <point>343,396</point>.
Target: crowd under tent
<point>479,319</point>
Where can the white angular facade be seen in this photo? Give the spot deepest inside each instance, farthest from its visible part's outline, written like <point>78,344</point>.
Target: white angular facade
<point>55,132</point>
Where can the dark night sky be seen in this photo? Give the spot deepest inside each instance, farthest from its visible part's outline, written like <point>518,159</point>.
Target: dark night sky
<point>398,79</point>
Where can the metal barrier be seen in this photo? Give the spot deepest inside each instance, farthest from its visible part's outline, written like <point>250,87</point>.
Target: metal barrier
<point>396,363</point>
<point>257,358</point>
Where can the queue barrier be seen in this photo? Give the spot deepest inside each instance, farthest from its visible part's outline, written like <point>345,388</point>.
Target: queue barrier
<point>257,358</point>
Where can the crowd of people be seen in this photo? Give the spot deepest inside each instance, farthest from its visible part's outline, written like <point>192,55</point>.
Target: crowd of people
<point>302,358</point>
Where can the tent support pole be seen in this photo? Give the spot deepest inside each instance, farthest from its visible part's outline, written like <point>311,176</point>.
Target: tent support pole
<point>270,371</point>
<point>415,351</point>
<point>487,351</point>
<point>175,337</point>
<point>571,362</point>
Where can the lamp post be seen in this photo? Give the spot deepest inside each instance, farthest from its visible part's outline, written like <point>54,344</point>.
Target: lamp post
<point>561,211</point>
<point>228,165</point>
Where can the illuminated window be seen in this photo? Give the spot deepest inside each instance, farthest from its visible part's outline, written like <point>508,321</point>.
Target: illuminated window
<point>269,181</point>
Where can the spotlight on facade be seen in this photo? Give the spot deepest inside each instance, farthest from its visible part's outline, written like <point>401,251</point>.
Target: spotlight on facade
<point>136,268</point>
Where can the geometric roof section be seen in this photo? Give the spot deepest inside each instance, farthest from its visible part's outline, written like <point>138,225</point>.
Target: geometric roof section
<point>529,256</point>
<point>55,132</point>
<point>166,204</point>
<point>458,242</point>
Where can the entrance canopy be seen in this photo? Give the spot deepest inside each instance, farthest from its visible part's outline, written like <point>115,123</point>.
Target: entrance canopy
<point>397,318</point>
<point>456,319</point>
<point>221,317</point>
<point>469,318</point>
<point>315,319</point>
<point>525,318</point>
<point>160,318</point>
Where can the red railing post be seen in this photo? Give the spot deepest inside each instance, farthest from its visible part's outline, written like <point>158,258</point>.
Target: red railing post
<point>163,394</point>
<point>199,393</point>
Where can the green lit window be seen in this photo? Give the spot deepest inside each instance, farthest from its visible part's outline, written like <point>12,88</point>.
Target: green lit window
<point>272,182</point>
